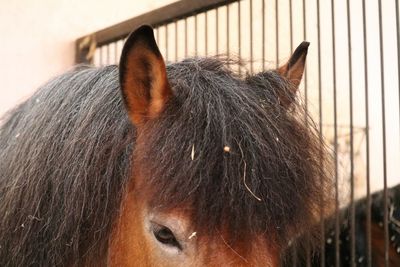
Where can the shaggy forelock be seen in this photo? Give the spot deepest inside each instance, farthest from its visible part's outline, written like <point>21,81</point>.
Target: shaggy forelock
<point>228,151</point>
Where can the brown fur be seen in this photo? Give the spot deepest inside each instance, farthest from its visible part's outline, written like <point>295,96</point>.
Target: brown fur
<point>378,248</point>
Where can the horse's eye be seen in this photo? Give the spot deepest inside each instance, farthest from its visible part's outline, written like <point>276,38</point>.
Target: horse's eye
<point>165,236</point>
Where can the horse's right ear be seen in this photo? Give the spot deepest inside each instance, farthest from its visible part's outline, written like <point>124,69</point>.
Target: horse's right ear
<point>293,71</point>
<point>143,76</point>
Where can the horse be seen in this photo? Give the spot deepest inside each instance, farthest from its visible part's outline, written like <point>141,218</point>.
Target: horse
<point>155,164</point>
<point>376,233</point>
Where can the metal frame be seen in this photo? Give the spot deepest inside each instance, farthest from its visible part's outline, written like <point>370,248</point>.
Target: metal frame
<point>163,15</point>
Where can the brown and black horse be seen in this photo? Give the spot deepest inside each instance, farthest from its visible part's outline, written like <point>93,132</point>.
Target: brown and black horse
<point>192,165</point>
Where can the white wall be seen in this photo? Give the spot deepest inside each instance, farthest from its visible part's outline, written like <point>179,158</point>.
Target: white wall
<point>37,38</point>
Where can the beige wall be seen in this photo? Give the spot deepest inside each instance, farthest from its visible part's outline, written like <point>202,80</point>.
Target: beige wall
<point>37,38</point>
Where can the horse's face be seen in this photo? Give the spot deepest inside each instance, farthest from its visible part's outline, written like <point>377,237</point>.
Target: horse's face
<point>209,222</point>
<point>147,237</point>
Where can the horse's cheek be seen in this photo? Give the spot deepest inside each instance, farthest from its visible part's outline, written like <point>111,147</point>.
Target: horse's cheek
<point>128,246</point>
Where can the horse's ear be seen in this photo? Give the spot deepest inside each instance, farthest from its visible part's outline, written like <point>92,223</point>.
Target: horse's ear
<point>143,76</point>
<point>293,70</point>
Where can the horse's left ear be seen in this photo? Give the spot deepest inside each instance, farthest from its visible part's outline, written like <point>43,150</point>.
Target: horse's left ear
<point>143,76</point>
<point>293,70</point>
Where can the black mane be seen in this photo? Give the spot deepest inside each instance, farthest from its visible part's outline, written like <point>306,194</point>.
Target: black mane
<point>65,158</point>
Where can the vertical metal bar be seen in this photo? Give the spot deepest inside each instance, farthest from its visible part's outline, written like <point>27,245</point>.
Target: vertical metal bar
<point>398,50</point>
<point>322,226</point>
<point>291,25</point>
<point>305,71</point>
<point>216,31</point>
<point>352,205</point>
<point>158,35</point>
<point>116,59</point>
<point>385,191</point>
<point>176,41</point>
<point>101,56</point>
<point>277,32</point>
<point>206,32</point>
<point>335,144</point>
<point>239,34</point>
<point>186,39</point>
<point>227,30</point>
<point>195,35</point>
<point>308,245</point>
<point>251,37</point>
<point>368,211</point>
<point>263,34</point>
<point>166,43</point>
<point>108,54</point>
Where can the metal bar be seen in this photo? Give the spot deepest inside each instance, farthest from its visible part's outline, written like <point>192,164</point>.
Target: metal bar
<point>398,50</point>
<point>308,245</point>
<point>368,211</point>
<point>352,205</point>
<point>186,38</point>
<point>101,56</point>
<point>305,71</point>
<point>116,59</point>
<point>251,37</point>
<point>385,191</point>
<point>108,54</point>
<point>206,33</point>
<point>227,30</point>
<point>291,24</point>
<point>163,15</point>
<point>216,31</point>
<point>277,32</point>
<point>176,41</point>
<point>166,43</point>
<point>158,35</point>
<point>195,35</point>
<point>322,226</point>
<point>263,35</point>
<point>335,144</point>
<point>239,35</point>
